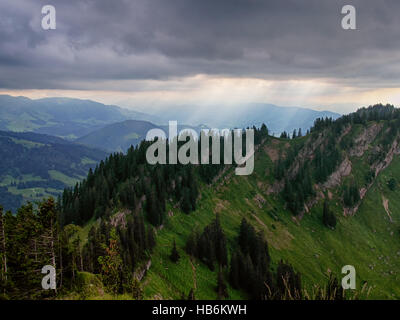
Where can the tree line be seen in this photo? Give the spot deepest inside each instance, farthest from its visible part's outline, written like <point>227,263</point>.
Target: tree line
<point>249,268</point>
<point>128,181</point>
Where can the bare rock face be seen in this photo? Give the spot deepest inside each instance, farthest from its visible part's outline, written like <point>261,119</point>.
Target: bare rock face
<point>259,200</point>
<point>305,154</point>
<point>363,141</point>
<point>119,219</point>
<point>342,171</point>
<point>394,150</point>
<point>276,187</point>
<point>377,167</point>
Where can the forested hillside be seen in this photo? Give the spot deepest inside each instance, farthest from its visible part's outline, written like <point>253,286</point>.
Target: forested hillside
<point>313,204</point>
<point>35,166</point>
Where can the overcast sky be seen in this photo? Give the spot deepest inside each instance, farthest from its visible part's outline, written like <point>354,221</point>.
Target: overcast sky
<point>155,53</point>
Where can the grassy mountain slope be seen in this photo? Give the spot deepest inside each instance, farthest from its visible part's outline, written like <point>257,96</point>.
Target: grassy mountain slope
<point>34,166</point>
<point>369,239</point>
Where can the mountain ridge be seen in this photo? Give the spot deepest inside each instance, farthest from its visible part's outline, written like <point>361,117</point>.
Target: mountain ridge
<point>64,117</point>
<point>75,118</point>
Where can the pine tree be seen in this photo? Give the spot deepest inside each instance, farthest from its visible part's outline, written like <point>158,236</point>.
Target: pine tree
<point>392,184</point>
<point>186,201</point>
<point>191,295</point>
<point>137,291</point>
<point>234,271</point>
<point>151,238</point>
<point>220,243</point>
<point>191,244</point>
<point>111,264</point>
<point>48,241</point>
<point>3,251</point>
<point>174,256</point>
<point>222,290</point>
<point>328,216</point>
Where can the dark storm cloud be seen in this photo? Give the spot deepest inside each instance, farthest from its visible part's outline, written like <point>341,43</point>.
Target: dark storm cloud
<point>100,40</point>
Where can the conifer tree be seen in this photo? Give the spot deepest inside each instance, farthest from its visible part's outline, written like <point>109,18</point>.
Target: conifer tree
<point>191,295</point>
<point>174,256</point>
<point>3,251</point>
<point>222,289</point>
<point>111,264</point>
<point>328,216</point>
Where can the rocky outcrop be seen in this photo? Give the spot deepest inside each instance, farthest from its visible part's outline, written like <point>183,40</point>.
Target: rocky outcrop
<point>259,200</point>
<point>119,220</point>
<point>378,168</point>
<point>363,141</point>
<point>335,178</point>
<point>394,150</point>
<point>305,154</point>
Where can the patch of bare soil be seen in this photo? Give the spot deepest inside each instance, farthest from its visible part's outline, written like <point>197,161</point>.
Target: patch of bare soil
<point>194,274</point>
<point>272,153</point>
<point>221,205</point>
<point>385,203</point>
<point>276,187</point>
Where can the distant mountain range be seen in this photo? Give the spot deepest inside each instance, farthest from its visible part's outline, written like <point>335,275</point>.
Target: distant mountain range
<point>34,166</point>
<point>277,119</point>
<point>62,117</point>
<point>74,118</point>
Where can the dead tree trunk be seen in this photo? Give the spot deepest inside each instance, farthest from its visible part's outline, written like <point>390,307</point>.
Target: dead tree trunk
<point>53,254</point>
<point>4,247</point>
